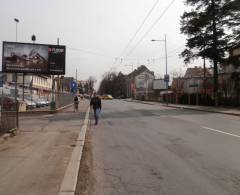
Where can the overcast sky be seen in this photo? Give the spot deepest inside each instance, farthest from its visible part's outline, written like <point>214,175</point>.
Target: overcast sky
<point>96,32</point>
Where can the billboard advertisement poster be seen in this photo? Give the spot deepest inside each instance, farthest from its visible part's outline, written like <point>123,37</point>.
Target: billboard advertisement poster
<point>33,58</point>
<point>56,59</point>
<point>159,84</point>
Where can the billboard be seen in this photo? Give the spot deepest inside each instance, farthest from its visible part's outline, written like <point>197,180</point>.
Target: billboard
<point>159,84</point>
<point>33,58</point>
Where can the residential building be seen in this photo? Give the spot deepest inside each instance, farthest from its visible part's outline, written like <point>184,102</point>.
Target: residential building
<point>39,85</point>
<point>229,78</point>
<point>140,83</point>
<point>193,87</point>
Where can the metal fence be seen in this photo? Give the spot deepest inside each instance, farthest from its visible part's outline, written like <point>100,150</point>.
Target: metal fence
<point>63,99</point>
<point>9,114</point>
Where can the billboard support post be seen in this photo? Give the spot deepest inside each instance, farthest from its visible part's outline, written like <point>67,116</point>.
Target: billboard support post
<point>58,84</point>
<point>23,83</point>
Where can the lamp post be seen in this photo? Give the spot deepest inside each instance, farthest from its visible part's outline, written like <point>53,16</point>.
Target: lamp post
<point>132,83</point>
<point>166,77</point>
<point>17,21</point>
<point>146,80</point>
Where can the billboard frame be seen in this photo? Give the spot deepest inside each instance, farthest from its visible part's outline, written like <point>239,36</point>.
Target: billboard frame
<point>48,72</point>
<point>165,87</point>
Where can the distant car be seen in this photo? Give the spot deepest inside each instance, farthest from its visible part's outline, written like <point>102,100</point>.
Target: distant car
<point>107,97</point>
<point>86,96</point>
<point>121,97</point>
<point>80,96</point>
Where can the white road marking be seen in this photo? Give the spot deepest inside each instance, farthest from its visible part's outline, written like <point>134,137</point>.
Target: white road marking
<point>223,132</point>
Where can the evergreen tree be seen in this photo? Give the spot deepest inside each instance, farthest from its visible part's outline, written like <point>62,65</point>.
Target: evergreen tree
<point>211,29</point>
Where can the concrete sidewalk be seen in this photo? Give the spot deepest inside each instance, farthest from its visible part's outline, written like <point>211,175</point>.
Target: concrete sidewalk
<point>221,110</point>
<point>35,161</point>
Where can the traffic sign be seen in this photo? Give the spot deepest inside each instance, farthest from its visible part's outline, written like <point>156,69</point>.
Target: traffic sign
<point>166,78</point>
<point>73,87</point>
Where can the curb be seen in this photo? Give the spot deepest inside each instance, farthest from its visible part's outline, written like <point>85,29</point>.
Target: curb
<point>69,182</point>
<point>26,113</point>
<point>187,108</point>
<point>199,109</point>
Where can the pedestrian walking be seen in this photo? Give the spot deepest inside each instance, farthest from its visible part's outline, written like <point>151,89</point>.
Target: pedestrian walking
<point>76,102</point>
<point>97,106</point>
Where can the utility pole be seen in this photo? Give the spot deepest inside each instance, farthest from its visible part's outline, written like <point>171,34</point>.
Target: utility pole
<point>146,79</point>
<point>58,83</point>
<point>76,79</point>
<point>166,77</point>
<point>132,81</point>
<point>76,74</point>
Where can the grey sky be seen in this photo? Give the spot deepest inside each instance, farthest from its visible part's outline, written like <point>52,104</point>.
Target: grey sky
<point>102,27</point>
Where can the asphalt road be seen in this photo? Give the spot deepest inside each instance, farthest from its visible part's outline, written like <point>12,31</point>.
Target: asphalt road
<point>147,149</point>
<point>34,162</point>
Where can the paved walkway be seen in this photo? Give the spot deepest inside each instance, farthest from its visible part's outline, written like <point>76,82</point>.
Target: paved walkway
<point>222,110</point>
<point>34,162</point>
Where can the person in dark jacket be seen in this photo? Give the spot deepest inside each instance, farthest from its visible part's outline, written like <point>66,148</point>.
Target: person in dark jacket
<point>76,102</point>
<point>97,106</point>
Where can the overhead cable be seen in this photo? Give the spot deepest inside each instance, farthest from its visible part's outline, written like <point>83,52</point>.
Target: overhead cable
<point>152,26</point>
<point>141,25</point>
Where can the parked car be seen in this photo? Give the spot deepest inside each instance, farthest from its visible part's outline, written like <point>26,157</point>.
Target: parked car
<point>30,104</point>
<point>43,102</point>
<point>48,102</point>
<point>121,97</point>
<point>32,99</point>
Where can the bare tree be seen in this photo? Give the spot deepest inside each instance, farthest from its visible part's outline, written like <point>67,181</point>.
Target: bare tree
<point>113,83</point>
<point>91,81</point>
<point>177,73</point>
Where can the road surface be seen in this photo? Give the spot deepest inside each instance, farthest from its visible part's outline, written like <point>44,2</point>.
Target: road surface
<point>152,149</point>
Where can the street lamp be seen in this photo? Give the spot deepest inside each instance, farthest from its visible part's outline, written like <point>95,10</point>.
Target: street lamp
<point>17,21</point>
<point>166,77</point>
<point>146,80</point>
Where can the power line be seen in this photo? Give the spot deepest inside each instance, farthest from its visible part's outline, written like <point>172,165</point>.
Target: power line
<point>137,31</point>
<point>121,60</point>
<point>149,30</point>
<point>140,27</point>
<point>91,52</point>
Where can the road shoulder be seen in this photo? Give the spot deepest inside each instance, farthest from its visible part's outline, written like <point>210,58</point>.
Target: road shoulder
<point>69,182</point>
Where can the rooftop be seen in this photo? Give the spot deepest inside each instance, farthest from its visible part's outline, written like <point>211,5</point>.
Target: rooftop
<point>197,72</point>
